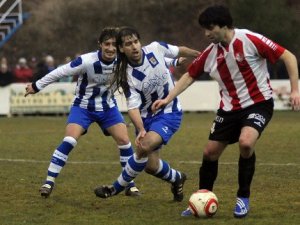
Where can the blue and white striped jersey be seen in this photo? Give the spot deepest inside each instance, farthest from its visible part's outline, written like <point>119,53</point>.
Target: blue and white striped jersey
<point>95,74</point>
<point>152,79</point>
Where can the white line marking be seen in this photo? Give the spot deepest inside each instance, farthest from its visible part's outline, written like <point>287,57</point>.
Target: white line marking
<point>115,162</point>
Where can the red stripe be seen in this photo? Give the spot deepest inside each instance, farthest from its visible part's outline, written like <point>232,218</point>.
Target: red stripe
<point>227,80</point>
<point>247,72</point>
<point>212,201</point>
<point>194,209</point>
<point>221,102</point>
<point>196,68</point>
<point>267,48</point>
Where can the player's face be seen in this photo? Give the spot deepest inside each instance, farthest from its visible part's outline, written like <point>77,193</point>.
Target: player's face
<point>131,47</point>
<point>109,49</point>
<point>215,33</point>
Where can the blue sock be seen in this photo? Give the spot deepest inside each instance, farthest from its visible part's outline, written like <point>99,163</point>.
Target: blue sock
<point>125,152</point>
<point>165,172</point>
<point>133,168</point>
<point>59,158</point>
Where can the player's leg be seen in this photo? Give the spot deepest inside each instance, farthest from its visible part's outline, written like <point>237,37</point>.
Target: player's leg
<point>162,129</point>
<point>254,121</point>
<point>60,157</point>
<point>209,169</point>
<point>162,169</point>
<point>120,135</point>
<point>222,132</point>
<point>78,123</point>
<point>134,166</point>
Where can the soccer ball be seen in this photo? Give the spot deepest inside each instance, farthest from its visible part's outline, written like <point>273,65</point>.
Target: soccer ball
<point>203,203</point>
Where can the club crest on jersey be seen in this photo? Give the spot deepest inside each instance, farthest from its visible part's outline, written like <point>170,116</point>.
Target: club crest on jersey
<point>152,60</point>
<point>239,56</point>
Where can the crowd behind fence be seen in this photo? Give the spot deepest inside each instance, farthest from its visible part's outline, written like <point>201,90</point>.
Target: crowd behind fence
<point>30,69</point>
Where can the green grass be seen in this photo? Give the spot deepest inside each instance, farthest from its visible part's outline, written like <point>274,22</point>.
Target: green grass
<point>275,197</point>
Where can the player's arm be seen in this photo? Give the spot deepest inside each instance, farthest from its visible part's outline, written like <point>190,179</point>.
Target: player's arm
<point>290,62</point>
<point>175,62</point>
<point>187,52</point>
<point>133,100</point>
<point>135,117</point>
<point>70,69</point>
<point>184,82</point>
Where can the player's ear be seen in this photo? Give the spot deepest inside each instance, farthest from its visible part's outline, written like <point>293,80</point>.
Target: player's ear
<point>100,45</point>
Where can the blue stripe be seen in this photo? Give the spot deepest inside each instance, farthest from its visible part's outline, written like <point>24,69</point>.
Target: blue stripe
<point>128,94</point>
<point>174,107</point>
<point>118,187</point>
<point>154,97</point>
<point>82,89</point>
<point>58,161</point>
<point>138,75</point>
<point>126,176</point>
<point>135,165</point>
<point>97,67</point>
<point>76,62</point>
<point>143,99</point>
<point>164,171</point>
<point>91,102</point>
<point>170,176</point>
<point>50,174</point>
<point>164,44</point>
<point>104,101</point>
<point>65,147</point>
<point>126,152</point>
<point>166,90</point>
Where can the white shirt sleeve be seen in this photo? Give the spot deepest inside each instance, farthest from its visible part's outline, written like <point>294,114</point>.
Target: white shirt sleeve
<point>167,50</point>
<point>62,71</point>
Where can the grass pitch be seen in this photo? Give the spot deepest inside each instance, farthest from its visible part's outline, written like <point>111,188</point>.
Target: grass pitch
<point>27,143</point>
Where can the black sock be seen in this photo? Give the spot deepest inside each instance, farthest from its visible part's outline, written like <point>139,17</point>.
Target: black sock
<point>246,172</point>
<point>207,174</point>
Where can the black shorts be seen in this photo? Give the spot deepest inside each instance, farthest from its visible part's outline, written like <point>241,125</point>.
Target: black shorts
<point>227,126</point>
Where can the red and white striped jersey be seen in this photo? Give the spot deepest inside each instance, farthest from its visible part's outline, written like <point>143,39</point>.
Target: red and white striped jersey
<point>239,68</point>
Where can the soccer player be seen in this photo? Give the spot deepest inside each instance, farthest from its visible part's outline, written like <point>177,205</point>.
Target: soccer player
<point>236,59</point>
<point>144,77</point>
<point>94,102</point>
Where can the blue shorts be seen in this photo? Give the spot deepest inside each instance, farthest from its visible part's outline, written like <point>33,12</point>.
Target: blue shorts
<point>104,119</point>
<point>164,124</point>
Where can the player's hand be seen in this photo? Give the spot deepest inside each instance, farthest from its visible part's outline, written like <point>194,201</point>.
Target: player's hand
<point>295,100</point>
<point>158,104</point>
<point>29,90</point>
<point>181,61</point>
<point>140,136</point>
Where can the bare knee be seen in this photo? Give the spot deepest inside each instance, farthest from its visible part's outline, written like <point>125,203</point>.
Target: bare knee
<point>123,141</point>
<point>210,154</point>
<point>246,147</point>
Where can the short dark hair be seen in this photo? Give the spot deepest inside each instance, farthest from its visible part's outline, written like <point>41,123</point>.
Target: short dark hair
<point>107,33</point>
<point>215,15</point>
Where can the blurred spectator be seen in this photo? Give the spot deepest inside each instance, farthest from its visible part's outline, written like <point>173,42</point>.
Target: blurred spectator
<point>33,64</point>
<point>22,73</point>
<point>3,60</point>
<point>6,76</point>
<point>45,67</point>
